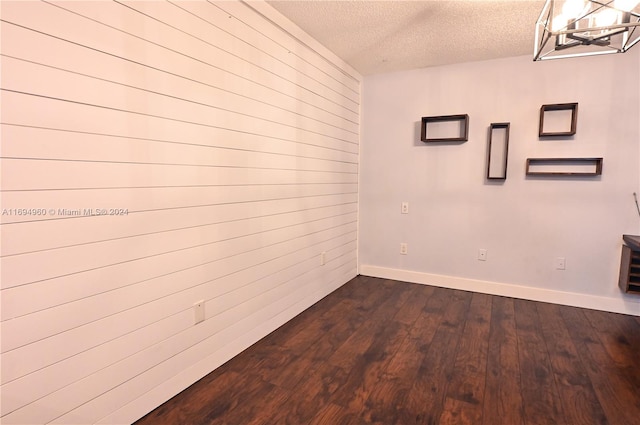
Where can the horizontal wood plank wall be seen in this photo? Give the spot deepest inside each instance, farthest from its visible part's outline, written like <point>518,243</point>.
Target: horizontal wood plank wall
<point>226,145</point>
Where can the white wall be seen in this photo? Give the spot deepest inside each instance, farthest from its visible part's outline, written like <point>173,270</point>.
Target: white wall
<point>232,140</point>
<point>524,223</point>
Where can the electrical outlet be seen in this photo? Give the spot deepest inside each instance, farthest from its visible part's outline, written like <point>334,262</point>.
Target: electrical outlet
<point>482,254</point>
<point>560,263</point>
<point>404,209</point>
<point>323,258</point>
<point>404,250</point>
<point>198,312</point>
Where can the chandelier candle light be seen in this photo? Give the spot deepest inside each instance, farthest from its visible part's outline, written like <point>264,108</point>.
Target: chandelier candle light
<point>572,28</point>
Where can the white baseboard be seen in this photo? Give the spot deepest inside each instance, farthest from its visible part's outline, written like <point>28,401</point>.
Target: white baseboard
<point>615,305</point>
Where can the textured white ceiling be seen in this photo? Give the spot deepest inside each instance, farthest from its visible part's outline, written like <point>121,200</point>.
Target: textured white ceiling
<point>385,36</point>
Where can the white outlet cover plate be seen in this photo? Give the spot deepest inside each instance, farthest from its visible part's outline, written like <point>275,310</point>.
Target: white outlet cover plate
<point>198,311</point>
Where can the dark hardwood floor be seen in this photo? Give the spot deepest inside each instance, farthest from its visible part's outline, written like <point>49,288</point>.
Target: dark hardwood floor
<point>387,352</point>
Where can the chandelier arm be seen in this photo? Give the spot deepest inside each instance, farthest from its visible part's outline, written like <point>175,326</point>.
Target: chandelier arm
<point>602,4</point>
<point>568,45</point>
<point>546,36</point>
<point>608,4</point>
<point>543,42</point>
<point>628,45</point>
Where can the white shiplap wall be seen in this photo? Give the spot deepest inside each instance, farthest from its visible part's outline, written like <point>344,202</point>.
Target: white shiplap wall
<point>230,139</point>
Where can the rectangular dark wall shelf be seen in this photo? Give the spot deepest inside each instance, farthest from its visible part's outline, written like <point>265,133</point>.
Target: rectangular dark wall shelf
<point>460,134</point>
<point>570,126</point>
<point>498,151</point>
<point>568,166</point>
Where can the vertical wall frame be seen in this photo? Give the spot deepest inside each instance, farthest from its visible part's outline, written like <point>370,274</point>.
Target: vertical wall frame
<point>498,151</point>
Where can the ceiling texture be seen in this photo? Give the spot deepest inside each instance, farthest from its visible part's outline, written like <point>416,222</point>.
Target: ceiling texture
<point>377,36</point>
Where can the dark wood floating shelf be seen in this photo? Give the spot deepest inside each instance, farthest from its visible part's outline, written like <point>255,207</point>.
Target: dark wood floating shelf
<point>498,151</point>
<point>630,265</point>
<point>461,136</point>
<point>566,163</point>
<point>571,127</point>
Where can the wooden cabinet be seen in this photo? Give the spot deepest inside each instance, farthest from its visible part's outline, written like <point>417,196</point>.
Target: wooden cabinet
<point>630,265</point>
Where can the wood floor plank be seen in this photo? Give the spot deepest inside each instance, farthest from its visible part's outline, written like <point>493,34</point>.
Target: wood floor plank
<point>581,405</point>
<point>365,375</point>
<point>346,322</point>
<point>262,364</point>
<point>425,400</point>
<point>359,342</point>
<point>503,403</point>
<point>411,310</point>
<point>384,352</point>
<point>539,391</point>
<point>332,414</point>
<point>629,327</point>
<point>368,363</point>
<point>426,325</point>
<point>222,407</point>
<point>388,397</point>
<point>465,393</point>
<point>333,309</point>
<point>253,406</point>
<point>305,400</point>
<point>458,412</point>
<point>622,342</point>
<point>619,401</point>
<point>192,402</point>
